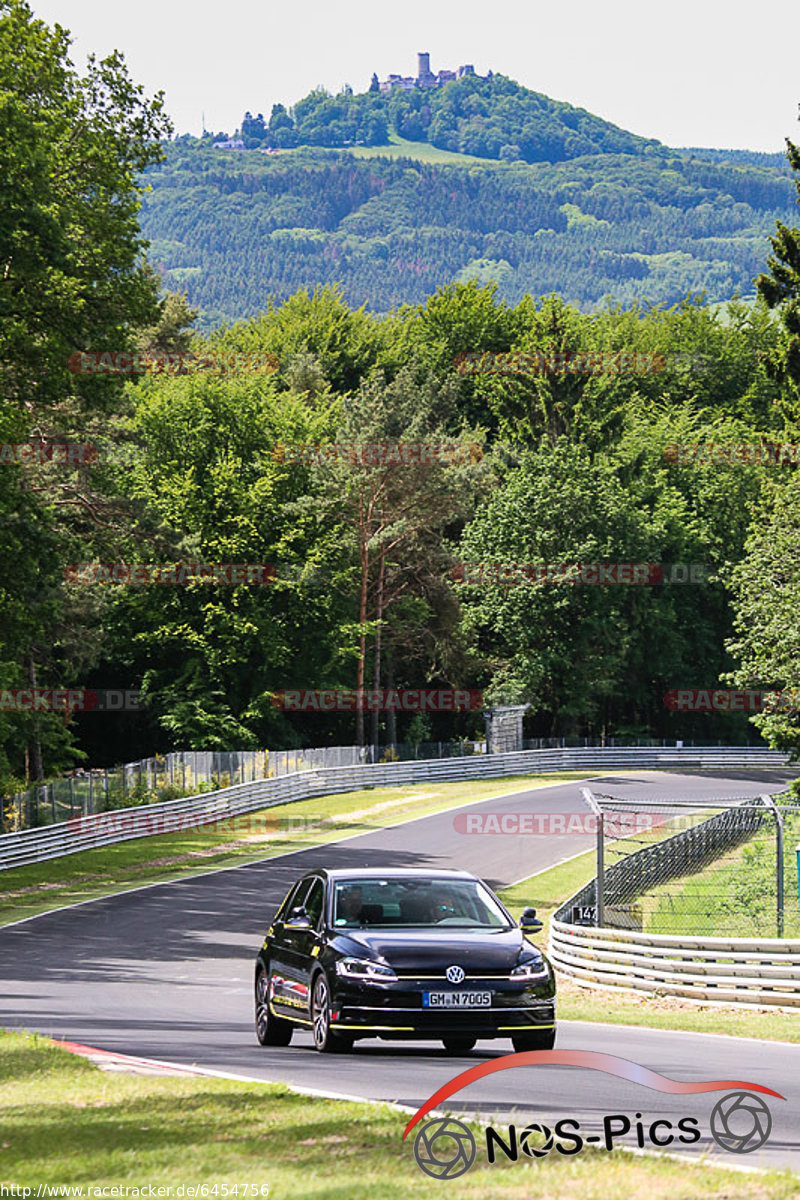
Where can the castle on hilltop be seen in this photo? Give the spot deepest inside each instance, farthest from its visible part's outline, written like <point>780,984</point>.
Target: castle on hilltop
<point>425,76</point>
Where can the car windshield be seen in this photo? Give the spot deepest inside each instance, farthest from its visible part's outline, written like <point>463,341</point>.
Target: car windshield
<point>416,902</point>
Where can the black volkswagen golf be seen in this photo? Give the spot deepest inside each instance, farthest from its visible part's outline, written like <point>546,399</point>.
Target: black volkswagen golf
<point>402,954</point>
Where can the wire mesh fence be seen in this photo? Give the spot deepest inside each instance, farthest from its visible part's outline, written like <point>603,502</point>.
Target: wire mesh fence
<point>575,743</point>
<point>191,772</point>
<point>724,867</point>
<point>163,777</point>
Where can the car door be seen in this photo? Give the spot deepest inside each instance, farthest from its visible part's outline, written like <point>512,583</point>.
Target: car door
<point>288,989</point>
<point>303,943</point>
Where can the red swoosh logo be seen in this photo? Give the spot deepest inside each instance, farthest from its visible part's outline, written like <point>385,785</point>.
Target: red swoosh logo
<point>590,1059</point>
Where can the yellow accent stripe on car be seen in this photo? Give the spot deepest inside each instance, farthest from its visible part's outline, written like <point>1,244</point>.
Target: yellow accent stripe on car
<point>525,1028</point>
<point>294,1020</point>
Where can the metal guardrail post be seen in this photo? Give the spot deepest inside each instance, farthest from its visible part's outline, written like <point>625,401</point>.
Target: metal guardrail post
<point>779,865</point>
<point>600,872</point>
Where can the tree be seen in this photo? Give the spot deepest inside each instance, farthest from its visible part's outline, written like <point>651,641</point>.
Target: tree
<point>216,486</point>
<point>73,279</point>
<point>781,289</point>
<point>70,166</point>
<point>766,590</point>
<point>569,650</point>
<point>172,332</point>
<point>395,513</point>
<point>374,86</point>
<point>253,128</point>
<point>600,659</point>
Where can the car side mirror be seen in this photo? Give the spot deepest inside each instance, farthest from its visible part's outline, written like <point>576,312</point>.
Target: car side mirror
<point>298,919</point>
<point>529,922</point>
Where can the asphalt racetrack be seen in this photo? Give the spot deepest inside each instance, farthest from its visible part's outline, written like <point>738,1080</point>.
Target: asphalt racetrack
<point>166,972</point>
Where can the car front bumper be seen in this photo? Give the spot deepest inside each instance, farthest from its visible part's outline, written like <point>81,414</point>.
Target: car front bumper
<point>397,1009</point>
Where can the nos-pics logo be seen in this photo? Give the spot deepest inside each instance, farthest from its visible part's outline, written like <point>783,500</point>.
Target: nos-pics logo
<point>445,1147</point>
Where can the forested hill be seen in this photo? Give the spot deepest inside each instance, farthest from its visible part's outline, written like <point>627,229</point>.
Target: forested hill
<point>393,195</point>
<point>234,228</point>
<point>492,117</point>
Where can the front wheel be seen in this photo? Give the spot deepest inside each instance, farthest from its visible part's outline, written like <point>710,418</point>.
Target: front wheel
<point>270,1030</point>
<point>534,1039</point>
<point>325,1040</point>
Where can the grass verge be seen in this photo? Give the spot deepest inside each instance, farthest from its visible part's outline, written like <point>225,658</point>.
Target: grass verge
<point>547,890</point>
<point>67,1123</point>
<point>423,152</point>
<point>738,891</point>
<point>40,887</point>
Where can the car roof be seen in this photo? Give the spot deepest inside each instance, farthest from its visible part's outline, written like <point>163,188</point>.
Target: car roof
<point>341,874</point>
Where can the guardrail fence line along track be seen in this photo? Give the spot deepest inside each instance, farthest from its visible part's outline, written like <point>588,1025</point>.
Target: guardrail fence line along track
<point>101,829</point>
<point>671,912</point>
<point>183,771</point>
<point>188,772</point>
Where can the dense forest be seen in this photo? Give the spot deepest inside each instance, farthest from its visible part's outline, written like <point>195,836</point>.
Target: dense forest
<point>235,229</point>
<point>583,444</point>
<point>492,117</point>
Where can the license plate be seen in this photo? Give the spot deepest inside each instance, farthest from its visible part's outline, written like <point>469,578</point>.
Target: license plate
<point>456,999</point>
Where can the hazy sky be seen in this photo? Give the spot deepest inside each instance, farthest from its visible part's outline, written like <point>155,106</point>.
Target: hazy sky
<point>689,72</point>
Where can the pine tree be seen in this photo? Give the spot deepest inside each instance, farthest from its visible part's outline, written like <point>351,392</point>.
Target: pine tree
<point>781,288</point>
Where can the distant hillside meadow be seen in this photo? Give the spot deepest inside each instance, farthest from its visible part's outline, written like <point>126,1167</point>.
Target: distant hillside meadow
<point>393,196</point>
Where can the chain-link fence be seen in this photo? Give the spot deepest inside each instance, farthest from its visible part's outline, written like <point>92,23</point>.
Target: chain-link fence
<point>724,867</point>
<point>575,743</point>
<point>190,772</point>
<point>163,777</point>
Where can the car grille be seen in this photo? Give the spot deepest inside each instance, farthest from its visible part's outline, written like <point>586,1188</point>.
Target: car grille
<point>469,976</point>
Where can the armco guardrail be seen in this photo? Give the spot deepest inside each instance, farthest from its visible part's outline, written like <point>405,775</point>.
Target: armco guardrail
<point>761,971</point>
<point>84,833</point>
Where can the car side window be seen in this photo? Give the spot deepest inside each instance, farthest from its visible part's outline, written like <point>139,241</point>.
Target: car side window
<point>291,900</point>
<point>300,898</point>
<point>313,902</point>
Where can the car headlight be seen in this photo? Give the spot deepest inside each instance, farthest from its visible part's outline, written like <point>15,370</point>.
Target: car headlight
<point>534,968</point>
<point>365,969</point>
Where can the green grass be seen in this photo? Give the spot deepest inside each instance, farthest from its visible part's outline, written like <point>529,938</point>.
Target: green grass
<point>734,894</point>
<point>26,891</point>
<point>423,152</point>
<point>67,1123</point>
<point>547,890</point>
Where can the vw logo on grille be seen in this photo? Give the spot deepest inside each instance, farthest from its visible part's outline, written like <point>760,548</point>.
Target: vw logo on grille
<point>455,974</point>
